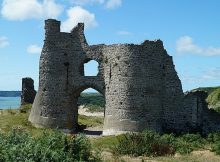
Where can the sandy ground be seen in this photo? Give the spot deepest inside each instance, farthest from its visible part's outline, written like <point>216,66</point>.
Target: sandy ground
<point>93,132</point>
<point>84,111</point>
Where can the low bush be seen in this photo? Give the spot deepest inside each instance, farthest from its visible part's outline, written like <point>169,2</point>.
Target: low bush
<point>216,147</point>
<point>214,139</point>
<point>19,145</point>
<point>152,144</point>
<point>25,108</point>
<point>146,143</point>
<point>188,142</point>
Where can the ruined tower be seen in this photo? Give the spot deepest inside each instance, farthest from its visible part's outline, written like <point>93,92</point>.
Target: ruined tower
<point>139,83</point>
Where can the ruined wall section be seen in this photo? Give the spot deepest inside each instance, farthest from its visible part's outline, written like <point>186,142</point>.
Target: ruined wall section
<point>210,122</point>
<point>133,76</point>
<point>50,107</point>
<point>28,93</point>
<point>200,118</point>
<point>173,112</point>
<point>194,106</point>
<point>60,78</point>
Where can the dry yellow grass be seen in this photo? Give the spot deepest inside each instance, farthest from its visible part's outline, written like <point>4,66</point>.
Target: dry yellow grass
<point>195,156</point>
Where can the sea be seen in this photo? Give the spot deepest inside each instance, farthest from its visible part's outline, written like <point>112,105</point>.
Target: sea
<point>10,102</point>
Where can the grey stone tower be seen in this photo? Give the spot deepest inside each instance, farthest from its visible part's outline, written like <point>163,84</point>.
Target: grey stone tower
<point>139,83</point>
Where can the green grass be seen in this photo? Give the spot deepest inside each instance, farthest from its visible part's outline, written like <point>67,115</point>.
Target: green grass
<point>185,144</point>
<point>105,143</point>
<point>90,121</point>
<point>10,119</point>
<point>25,108</point>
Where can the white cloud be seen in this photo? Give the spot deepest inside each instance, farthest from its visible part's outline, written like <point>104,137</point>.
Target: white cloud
<point>210,74</point>
<point>109,4</point>
<point>185,44</point>
<point>124,33</point>
<point>34,49</point>
<point>78,15</point>
<point>4,42</point>
<point>30,9</point>
<point>85,2</point>
<point>112,4</point>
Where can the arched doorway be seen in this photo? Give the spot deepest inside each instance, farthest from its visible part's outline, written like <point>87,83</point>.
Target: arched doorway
<point>91,108</point>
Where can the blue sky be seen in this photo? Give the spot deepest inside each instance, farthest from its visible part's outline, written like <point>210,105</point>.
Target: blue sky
<point>190,31</point>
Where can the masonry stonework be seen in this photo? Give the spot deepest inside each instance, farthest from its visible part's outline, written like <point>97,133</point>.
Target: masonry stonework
<point>139,83</point>
<point>28,93</point>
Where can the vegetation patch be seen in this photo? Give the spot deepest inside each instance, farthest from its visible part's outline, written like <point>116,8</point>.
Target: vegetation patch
<point>10,119</point>
<point>214,99</point>
<point>90,121</point>
<point>149,143</point>
<point>95,102</point>
<point>18,145</point>
<point>25,108</point>
<point>209,90</point>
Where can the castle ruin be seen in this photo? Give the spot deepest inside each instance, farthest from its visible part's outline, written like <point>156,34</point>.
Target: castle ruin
<point>139,83</point>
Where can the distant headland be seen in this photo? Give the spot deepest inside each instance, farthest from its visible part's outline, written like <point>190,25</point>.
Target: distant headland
<point>10,93</point>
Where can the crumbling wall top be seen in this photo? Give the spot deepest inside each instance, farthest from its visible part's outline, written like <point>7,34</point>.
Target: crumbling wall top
<point>199,93</point>
<point>52,26</point>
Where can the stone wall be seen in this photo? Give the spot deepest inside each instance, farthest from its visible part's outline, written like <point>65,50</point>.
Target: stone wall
<point>139,82</point>
<point>200,118</point>
<point>28,93</point>
<point>61,77</point>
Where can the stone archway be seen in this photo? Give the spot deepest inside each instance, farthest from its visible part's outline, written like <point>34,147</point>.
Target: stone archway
<point>87,107</point>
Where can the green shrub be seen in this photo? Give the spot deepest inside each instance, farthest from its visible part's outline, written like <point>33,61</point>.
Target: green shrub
<point>186,143</point>
<point>25,108</point>
<point>19,145</point>
<point>213,137</point>
<point>146,143</point>
<point>216,147</point>
<point>152,144</point>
